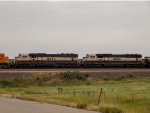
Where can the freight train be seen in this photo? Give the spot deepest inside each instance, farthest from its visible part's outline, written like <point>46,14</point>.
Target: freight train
<point>71,60</point>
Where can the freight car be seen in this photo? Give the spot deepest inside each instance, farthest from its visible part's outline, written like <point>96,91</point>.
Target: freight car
<point>43,60</point>
<point>4,61</point>
<point>112,60</point>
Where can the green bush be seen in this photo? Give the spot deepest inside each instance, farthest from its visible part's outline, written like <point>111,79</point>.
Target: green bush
<point>120,78</point>
<point>106,78</point>
<point>5,83</point>
<point>36,92</point>
<point>22,82</point>
<point>42,79</point>
<point>73,75</point>
<point>130,75</point>
<point>82,105</point>
<point>16,82</point>
<point>110,109</point>
<point>39,79</point>
<point>88,83</point>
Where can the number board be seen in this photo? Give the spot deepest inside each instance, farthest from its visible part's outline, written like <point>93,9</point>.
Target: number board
<point>116,59</point>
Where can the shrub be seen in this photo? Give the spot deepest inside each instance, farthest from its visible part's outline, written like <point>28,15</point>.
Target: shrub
<point>120,78</point>
<point>22,82</point>
<point>86,74</point>
<point>130,75</point>
<point>16,82</point>
<point>5,83</point>
<point>88,83</point>
<point>36,92</point>
<point>110,109</point>
<point>73,75</point>
<point>44,79</point>
<point>105,79</point>
<point>41,78</point>
<point>82,105</point>
<point>37,79</point>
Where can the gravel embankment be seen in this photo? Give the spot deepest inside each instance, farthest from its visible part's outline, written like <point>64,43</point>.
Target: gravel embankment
<point>93,73</point>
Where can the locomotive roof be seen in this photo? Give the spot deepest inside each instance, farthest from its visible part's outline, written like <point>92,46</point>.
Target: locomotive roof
<point>52,55</point>
<point>120,55</point>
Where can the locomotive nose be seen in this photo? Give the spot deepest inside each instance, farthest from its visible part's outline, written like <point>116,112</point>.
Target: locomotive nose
<point>4,61</point>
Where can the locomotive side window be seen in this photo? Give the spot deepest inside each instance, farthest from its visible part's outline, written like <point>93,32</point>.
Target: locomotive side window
<point>24,57</point>
<point>92,57</point>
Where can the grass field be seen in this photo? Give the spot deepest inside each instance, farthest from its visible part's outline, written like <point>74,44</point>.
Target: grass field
<point>119,96</point>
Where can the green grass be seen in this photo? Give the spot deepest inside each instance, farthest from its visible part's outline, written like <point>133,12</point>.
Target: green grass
<point>121,96</point>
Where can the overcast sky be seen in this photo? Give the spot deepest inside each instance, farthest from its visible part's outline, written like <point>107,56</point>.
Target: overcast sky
<point>74,27</point>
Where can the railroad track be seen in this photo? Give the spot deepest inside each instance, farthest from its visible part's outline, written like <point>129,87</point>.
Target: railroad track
<point>81,70</point>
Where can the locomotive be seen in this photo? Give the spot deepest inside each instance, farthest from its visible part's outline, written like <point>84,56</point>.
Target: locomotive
<point>112,60</point>
<point>4,61</point>
<point>71,60</point>
<point>39,60</point>
<point>146,62</point>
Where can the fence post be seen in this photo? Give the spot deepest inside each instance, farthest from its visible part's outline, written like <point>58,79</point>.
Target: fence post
<point>93,93</point>
<point>100,94</point>
<point>58,90</point>
<point>88,93</point>
<point>61,90</point>
<point>117,94</point>
<point>83,93</point>
<point>74,93</point>
<point>132,98</point>
<point>104,93</point>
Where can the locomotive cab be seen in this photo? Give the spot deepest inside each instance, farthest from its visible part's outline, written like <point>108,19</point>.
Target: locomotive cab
<point>22,61</point>
<point>22,57</point>
<point>3,58</point>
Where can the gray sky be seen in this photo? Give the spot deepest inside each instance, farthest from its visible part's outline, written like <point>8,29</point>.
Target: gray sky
<point>75,27</point>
